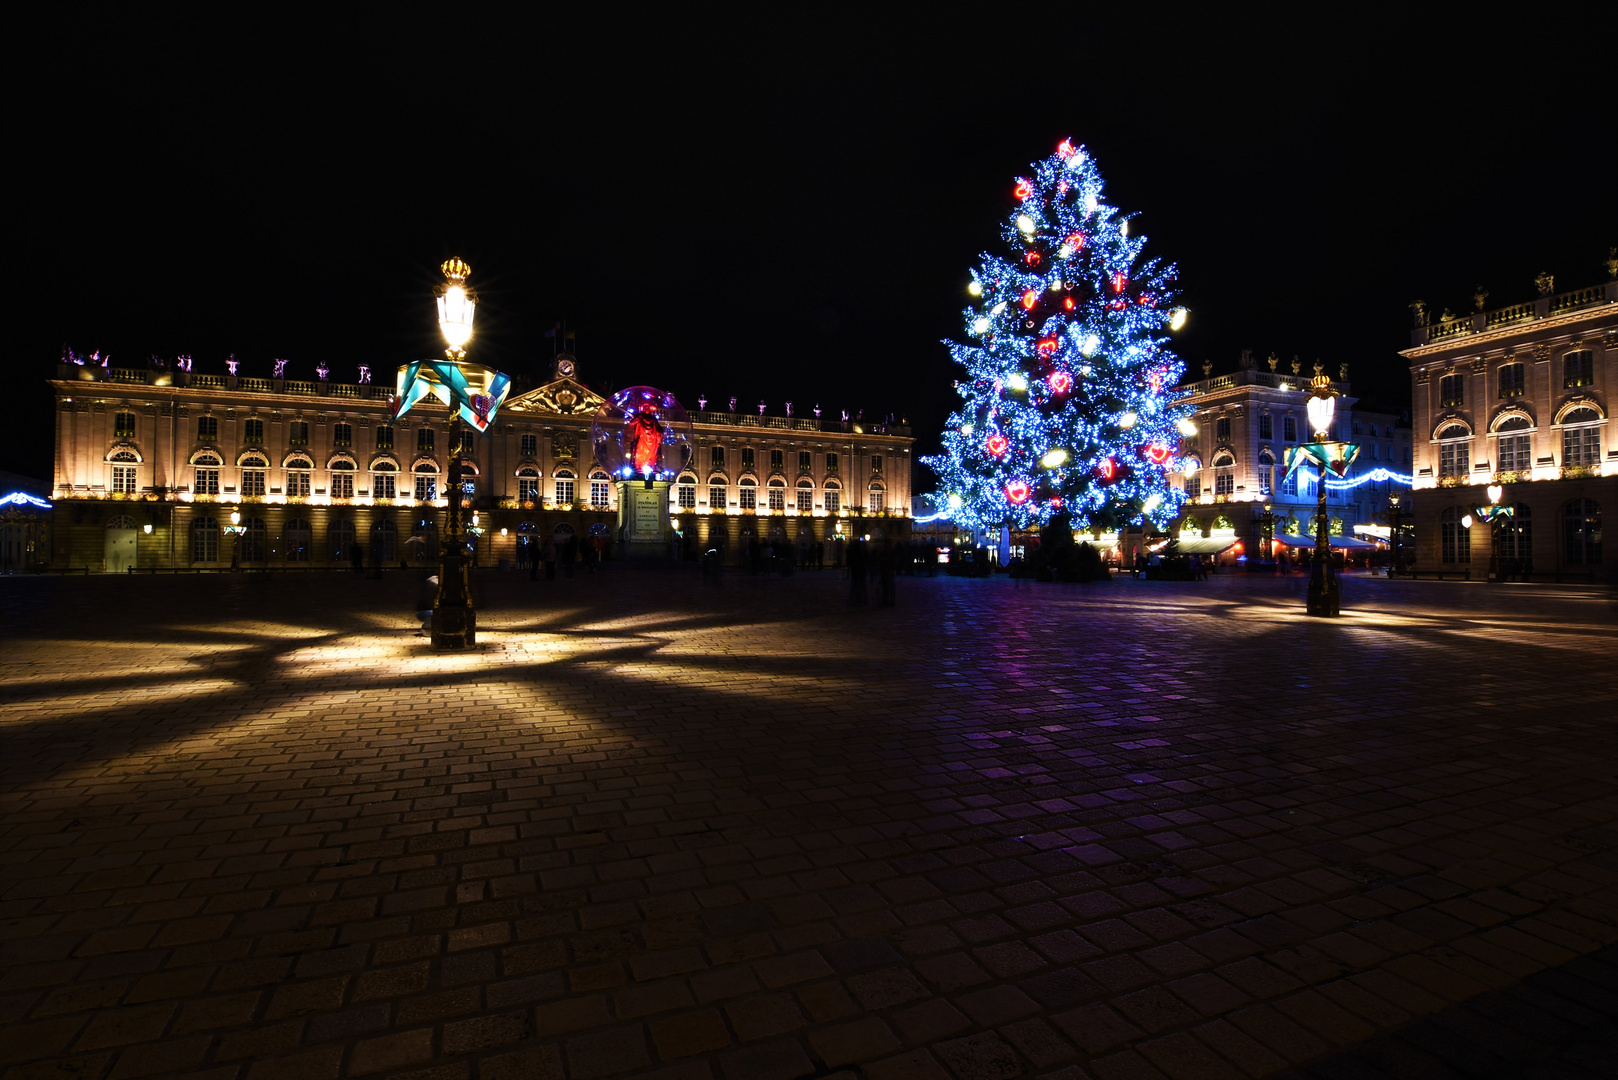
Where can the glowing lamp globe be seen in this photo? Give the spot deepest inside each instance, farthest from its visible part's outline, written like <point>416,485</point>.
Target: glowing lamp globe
<point>1466,521</point>
<point>456,305</point>
<point>1321,410</point>
<point>642,432</point>
<point>1495,491</point>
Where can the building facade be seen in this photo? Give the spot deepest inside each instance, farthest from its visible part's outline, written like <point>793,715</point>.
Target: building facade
<point>1246,421</point>
<point>1518,397</point>
<point>151,464</point>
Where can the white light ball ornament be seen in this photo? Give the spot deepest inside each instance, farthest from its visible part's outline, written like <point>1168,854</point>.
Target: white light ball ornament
<point>1017,381</point>
<point>981,326</point>
<point>1025,224</point>
<point>1177,318</point>
<point>1187,428</point>
<point>975,288</point>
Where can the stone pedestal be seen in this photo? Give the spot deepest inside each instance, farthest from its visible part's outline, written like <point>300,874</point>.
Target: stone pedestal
<point>644,530</point>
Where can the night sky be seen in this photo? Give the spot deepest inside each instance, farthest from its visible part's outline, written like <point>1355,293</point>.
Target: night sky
<point>779,208</point>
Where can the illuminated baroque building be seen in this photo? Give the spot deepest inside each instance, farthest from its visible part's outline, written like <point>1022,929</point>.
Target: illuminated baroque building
<point>1518,397</point>
<point>1246,421</point>
<point>150,465</point>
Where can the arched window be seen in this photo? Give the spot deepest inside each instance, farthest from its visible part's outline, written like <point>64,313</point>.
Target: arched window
<point>527,544</point>
<point>384,479</point>
<point>206,475</point>
<point>806,496</point>
<point>1192,471</point>
<point>776,489</point>
<point>1266,470</point>
<point>300,475</point>
<point>1454,450</point>
<point>254,468</point>
<point>564,481</point>
<point>299,539</point>
<point>834,497</point>
<point>1581,437</point>
<point>1454,538</point>
<point>426,474</point>
<point>384,542</point>
<point>123,471</point>
<point>878,497</point>
<point>685,492</point>
<point>528,484</point>
<point>749,493</point>
<point>1581,532</point>
<point>1513,452</point>
<point>340,538</point>
<point>204,540</point>
<point>600,489</point>
<point>422,543</point>
<point>1224,466</point>
<point>253,540</point>
<point>342,476</point>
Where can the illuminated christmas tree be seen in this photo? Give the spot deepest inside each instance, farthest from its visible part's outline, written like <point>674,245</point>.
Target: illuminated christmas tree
<point>1067,404</point>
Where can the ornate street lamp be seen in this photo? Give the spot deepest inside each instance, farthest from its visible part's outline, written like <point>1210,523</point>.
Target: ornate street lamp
<point>1496,516</point>
<point>1266,535</point>
<point>1396,516</point>
<point>235,529</point>
<point>1330,457</point>
<point>473,394</point>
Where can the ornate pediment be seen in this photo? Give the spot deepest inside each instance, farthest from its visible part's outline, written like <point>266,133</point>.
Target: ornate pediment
<point>564,397</point>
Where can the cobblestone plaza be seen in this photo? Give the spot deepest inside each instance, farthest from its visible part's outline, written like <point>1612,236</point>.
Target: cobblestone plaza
<point>253,829</point>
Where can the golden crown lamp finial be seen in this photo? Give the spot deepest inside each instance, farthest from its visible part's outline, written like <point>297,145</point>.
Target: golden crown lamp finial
<point>456,270</point>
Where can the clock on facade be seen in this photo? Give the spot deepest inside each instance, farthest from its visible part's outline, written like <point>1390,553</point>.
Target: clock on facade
<point>564,367</point>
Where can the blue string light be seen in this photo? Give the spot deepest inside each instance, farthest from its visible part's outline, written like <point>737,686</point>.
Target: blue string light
<point>1375,476</point>
<point>22,498</point>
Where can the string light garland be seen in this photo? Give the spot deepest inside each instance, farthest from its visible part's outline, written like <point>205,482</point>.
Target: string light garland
<point>1067,406</point>
<point>1375,476</point>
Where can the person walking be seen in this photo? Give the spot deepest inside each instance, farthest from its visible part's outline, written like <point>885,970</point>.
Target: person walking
<point>547,556</point>
<point>856,558</point>
<point>887,564</point>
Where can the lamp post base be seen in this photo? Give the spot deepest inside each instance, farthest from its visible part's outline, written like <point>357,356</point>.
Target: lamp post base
<point>454,628</point>
<point>1325,592</point>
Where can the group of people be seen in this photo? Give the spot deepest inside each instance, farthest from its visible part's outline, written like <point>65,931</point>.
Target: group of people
<point>569,552</point>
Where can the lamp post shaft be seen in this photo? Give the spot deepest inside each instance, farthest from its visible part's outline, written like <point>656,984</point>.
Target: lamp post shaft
<point>454,618</point>
<point>1325,592</point>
